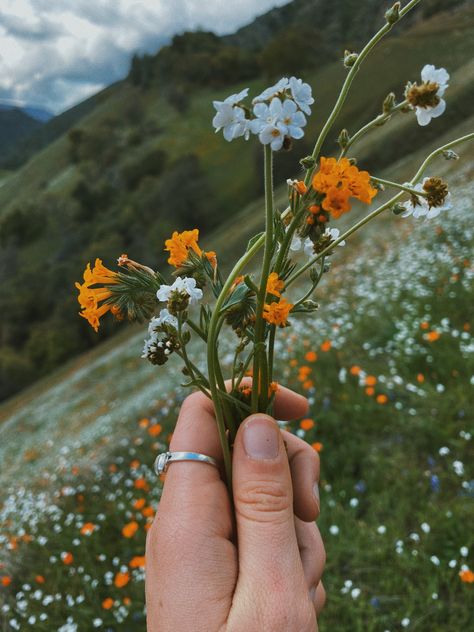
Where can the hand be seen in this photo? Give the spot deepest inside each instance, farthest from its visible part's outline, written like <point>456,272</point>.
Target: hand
<point>258,570</point>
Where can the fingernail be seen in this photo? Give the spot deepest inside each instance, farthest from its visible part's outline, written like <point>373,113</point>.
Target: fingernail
<point>316,494</point>
<point>261,438</point>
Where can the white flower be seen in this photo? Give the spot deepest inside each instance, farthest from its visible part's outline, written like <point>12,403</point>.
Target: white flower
<point>422,209</point>
<point>425,527</point>
<point>184,285</point>
<point>297,244</point>
<point>355,592</point>
<point>301,93</point>
<point>234,99</point>
<point>382,529</point>
<point>164,317</point>
<point>272,91</point>
<point>293,119</point>
<point>405,622</point>
<point>441,77</point>
<point>334,233</point>
<point>232,120</point>
<point>444,451</point>
<point>435,560</point>
<point>334,529</point>
<point>458,467</point>
<point>464,551</point>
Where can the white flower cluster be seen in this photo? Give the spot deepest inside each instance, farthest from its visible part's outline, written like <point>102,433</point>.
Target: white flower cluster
<point>440,77</point>
<point>278,113</point>
<point>421,208</point>
<point>153,343</point>
<point>184,285</point>
<point>307,246</point>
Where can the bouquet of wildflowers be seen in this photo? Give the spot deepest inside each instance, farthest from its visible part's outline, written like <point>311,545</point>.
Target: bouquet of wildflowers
<point>297,242</point>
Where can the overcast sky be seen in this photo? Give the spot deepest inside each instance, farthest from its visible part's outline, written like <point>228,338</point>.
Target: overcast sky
<point>55,53</point>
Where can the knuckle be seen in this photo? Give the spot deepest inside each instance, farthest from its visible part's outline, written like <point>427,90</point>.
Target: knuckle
<point>263,500</point>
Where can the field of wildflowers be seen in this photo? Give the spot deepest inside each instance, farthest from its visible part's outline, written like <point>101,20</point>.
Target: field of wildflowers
<point>389,383</point>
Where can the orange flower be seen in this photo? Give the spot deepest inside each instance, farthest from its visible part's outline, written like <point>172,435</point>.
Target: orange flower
<point>6,581</point>
<point>301,187</point>
<point>339,180</point>
<point>89,298</point>
<point>39,579</point>
<point>424,325</point>
<point>420,378</point>
<point>433,336</point>
<point>135,464</point>
<point>180,244</point>
<point>381,399</point>
<point>107,603</point>
<point>148,512</point>
<point>306,424</point>
<point>144,423</point>
<point>277,313</point>
<point>370,391</point>
<point>317,446</point>
<point>88,528</point>
<point>137,562</point>
<point>130,529</point>
<point>311,356</point>
<point>294,362</point>
<point>67,558</point>
<point>308,384</point>
<point>355,370</point>
<point>337,202</point>
<point>370,380</point>
<point>272,388</point>
<point>467,576</point>
<point>274,284</point>
<point>121,579</point>
<point>141,483</point>
<point>326,345</point>
<point>155,430</point>
<point>139,503</point>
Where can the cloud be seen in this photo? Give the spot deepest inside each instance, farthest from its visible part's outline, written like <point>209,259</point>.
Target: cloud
<point>54,53</point>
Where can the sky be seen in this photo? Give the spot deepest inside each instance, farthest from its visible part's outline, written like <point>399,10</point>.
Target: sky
<point>56,53</point>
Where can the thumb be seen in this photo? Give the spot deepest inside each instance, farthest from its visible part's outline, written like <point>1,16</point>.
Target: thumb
<point>263,497</point>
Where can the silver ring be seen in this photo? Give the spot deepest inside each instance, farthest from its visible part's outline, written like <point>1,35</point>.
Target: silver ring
<point>163,460</point>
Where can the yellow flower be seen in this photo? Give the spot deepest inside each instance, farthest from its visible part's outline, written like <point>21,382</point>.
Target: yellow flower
<point>274,284</point>
<point>180,244</point>
<point>277,313</point>
<point>89,297</point>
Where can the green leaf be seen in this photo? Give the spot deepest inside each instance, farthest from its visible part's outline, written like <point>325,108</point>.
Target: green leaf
<point>254,240</point>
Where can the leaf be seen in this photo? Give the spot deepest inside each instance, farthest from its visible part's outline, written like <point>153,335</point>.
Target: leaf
<point>254,240</point>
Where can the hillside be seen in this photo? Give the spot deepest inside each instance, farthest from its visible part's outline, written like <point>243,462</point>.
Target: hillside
<point>140,162</point>
<point>396,479</point>
<point>15,125</point>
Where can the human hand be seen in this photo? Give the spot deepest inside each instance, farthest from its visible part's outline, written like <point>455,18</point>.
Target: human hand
<point>258,570</point>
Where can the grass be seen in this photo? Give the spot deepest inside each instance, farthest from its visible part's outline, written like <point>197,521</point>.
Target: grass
<point>397,479</point>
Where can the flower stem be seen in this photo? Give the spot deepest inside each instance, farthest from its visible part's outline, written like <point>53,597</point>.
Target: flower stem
<point>380,209</point>
<point>258,388</point>
<point>401,187</point>
<point>376,122</point>
<point>348,82</point>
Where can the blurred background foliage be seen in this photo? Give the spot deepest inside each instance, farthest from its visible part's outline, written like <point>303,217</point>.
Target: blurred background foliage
<point>120,171</point>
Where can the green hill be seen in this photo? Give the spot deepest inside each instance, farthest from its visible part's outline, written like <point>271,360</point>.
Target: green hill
<point>145,161</point>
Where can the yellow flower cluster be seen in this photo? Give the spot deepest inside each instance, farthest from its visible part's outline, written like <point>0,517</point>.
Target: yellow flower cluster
<point>90,298</point>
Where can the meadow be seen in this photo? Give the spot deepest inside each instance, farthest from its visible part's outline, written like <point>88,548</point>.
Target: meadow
<point>387,367</point>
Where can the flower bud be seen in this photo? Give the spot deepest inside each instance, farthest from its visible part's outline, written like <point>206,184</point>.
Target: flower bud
<point>449,154</point>
<point>393,15</point>
<point>389,103</point>
<point>350,58</point>
<point>397,209</point>
<point>308,162</point>
<point>343,139</point>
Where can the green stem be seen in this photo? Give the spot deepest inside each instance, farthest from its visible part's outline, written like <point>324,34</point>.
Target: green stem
<point>197,329</point>
<point>348,82</point>
<point>214,326</point>
<point>401,187</point>
<point>257,386</point>
<point>313,287</point>
<point>380,209</point>
<point>376,122</point>
<point>244,369</point>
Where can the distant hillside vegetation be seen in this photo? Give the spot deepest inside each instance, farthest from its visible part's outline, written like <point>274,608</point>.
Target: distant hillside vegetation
<point>15,125</point>
<point>141,159</point>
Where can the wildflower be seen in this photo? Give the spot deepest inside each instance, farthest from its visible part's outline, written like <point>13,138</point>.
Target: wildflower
<point>326,346</point>
<point>317,446</point>
<point>467,576</point>
<point>427,97</point>
<point>277,121</point>
<point>5,581</point>
<point>137,562</point>
<point>275,285</point>
<point>277,313</point>
<point>67,558</point>
<point>306,424</point>
<point>334,529</point>
<point>88,528</point>
<point>301,93</point>
<point>297,244</point>
<point>164,318</point>
<point>154,430</point>
<point>179,245</point>
<point>311,356</point>
<point>180,294</point>
<point>272,91</point>
<point>130,529</point>
<point>121,579</point>
<point>231,117</point>
<point>333,234</point>
<point>338,180</point>
<point>90,298</point>
<point>139,503</point>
